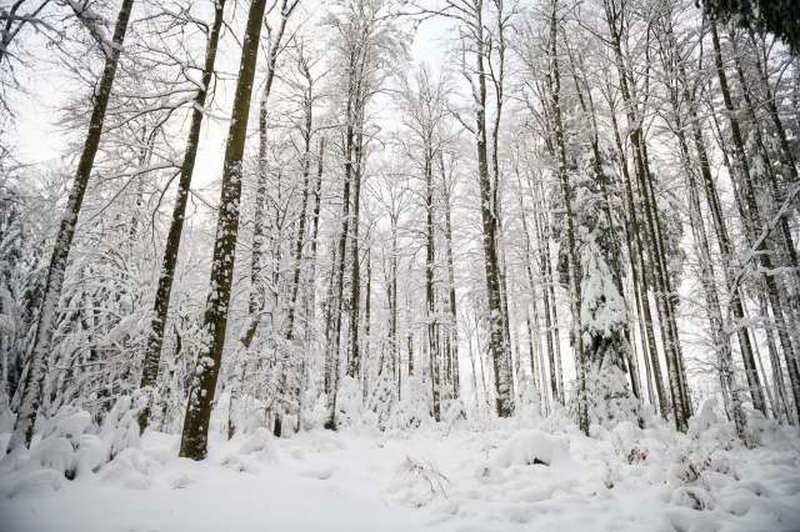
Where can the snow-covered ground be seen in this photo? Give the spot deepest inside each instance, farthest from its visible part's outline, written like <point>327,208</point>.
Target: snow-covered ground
<point>541,476</point>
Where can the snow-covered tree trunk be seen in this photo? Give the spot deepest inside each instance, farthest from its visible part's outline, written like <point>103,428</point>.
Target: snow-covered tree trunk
<point>434,356</point>
<point>719,336</point>
<point>452,354</point>
<point>334,303</point>
<point>300,241</point>
<point>639,278</point>
<point>201,397</point>
<point>575,277</point>
<point>155,339</point>
<point>665,296</point>
<point>357,156</point>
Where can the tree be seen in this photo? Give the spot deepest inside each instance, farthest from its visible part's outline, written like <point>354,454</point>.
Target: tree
<point>616,12</point>
<point>477,41</point>
<point>574,266</point>
<point>366,42</point>
<point>155,339</point>
<point>752,220</point>
<point>425,111</point>
<point>679,92</point>
<point>201,398</point>
<point>33,385</point>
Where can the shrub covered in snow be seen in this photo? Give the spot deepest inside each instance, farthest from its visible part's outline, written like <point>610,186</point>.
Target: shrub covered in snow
<point>70,447</point>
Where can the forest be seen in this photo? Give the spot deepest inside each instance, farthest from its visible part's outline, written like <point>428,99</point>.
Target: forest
<point>399,265</point>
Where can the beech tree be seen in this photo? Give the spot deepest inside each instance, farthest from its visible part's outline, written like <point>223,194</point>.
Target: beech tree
<point>201,398</point>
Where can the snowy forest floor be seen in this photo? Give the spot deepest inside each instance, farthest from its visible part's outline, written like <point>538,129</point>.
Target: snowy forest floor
<point>542,476</point>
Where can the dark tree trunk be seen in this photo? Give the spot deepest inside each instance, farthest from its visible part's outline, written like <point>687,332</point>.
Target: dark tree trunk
<point>155,339</point>
<point>434,357</point>
<point>201,397</point>
<point>451,284</point>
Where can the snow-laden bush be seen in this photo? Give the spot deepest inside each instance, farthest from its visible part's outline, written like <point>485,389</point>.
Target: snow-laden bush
<point>70,447</point>
<point>528,405</point>
<point>418,482</point>
<point>412,410</point>
<point>704,452</point>
<point>382,398</point>
<point>708,429</point>
<point>261,444</point>
<point>454,413</point>
<point>349,403</point>
<point>316,414</point>
<point>120,429</point>
<point>249,449</point>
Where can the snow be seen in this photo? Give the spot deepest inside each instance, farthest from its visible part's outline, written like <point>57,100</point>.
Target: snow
<point>541,474</point>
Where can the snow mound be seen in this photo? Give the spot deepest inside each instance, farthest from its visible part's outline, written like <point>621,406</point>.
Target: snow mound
<point>130,468</point>
<point>256,447</point>
<point>33,483</point>
<point>260,443</point>
<point>533,447</point>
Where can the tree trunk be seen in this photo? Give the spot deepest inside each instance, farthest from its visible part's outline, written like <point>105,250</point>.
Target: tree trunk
<point>394,305</point>
<point>572,252</point>
<point>354,358</point>
<point>155,339</point>
<point>201,397</point>
<point>752,220</point>
<point>719,336</point>
<point>498,347</point>
<point>665,296</point>
<point>639,279</point>
<point>434,357</point>
<point>451,283</point>
<point>301,230</point>
<point>548,298</point>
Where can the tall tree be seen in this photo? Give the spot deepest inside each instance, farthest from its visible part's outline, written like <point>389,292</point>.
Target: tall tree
<point>760,244</point>
<point>155,340</point>
<point>194,439</point>
<point>617,15</point>
<point>574,266</point>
